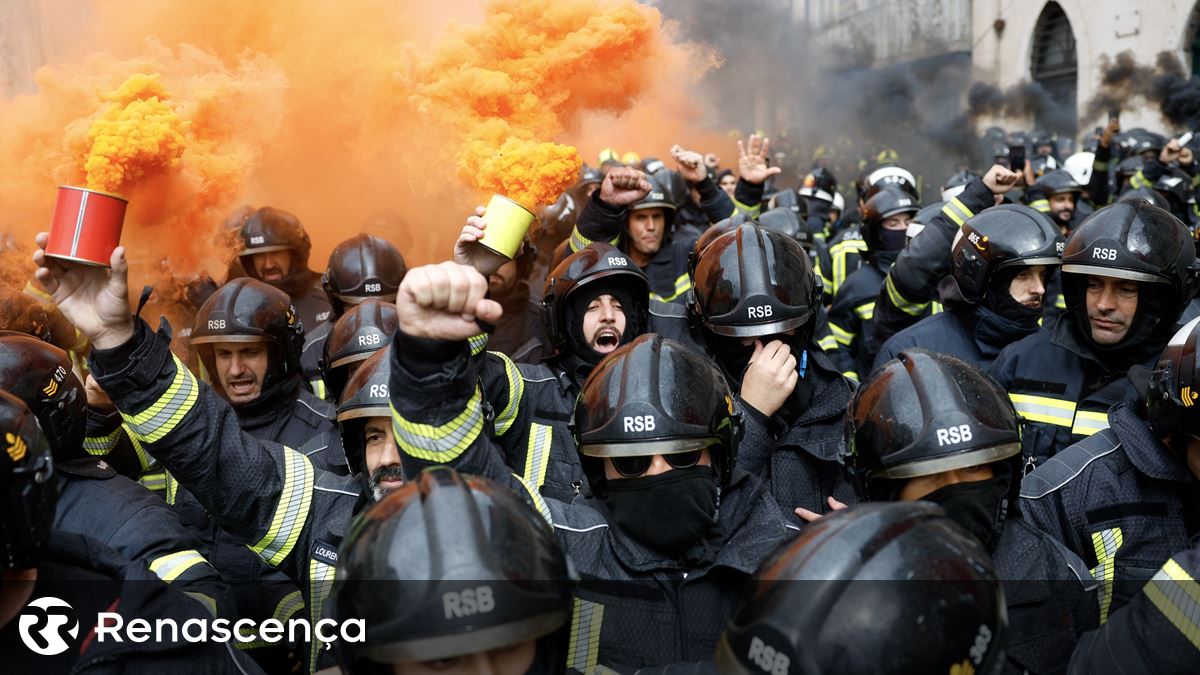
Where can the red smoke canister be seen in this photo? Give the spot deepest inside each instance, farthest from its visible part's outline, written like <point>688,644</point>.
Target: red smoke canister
<point>86,226</point>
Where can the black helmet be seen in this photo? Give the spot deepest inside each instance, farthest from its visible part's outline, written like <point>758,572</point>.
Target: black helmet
<point>892,176</point>
<point>1002,237</point>
<point>654,396</point>
<point>1132,240</point>
<point>820,184</point>
<point>1176,189</point>
<point>1040,165</point>
<point>785,222</point>
<point>450,565</point>
<point>365,395</point>
<point>879,589</point>
<point>271,229</point>
<point>363,266</point>
<point>40,374</point>
<point>956,184</point>
<point>1127,168</point>
<point>1058,181</point>
<point>602,268</point>
<point>923,413</point>
<point>788,198</point>
<point>753,282</point>
<point>364,330</point>
<point>1173,387</point>
<point>882,205</point>
<point>1148,195</point>
<point>657,198</point>
<point>248,310</point>
<point>1139,140</point>
<point>714,232</point>
<point>922,218</point>
<point>26,480</point>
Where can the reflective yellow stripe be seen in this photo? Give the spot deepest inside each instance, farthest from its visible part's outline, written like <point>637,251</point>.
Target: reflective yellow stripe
<point>516,393</point>
<point>155,482</point>
<point>956,211</point>
<point>1043,409</point>
<point>209,603</point>
<point>1060,301</point>
<point>1088,423</point>
<point>320,581</point>
<point>839,273</point>
<point>900,302</point>
<point>841,335</point>
<point>169,567</point>
<point>172,488</point>
<point>682,285</point>
<point>440,443</point>
<point>580,242</point>
<point>318,388</point>
<point>478,343</point>
<point>936,307</point>
<point>1175,593</point>
<point>1099,166</point>
<point>539,502</point>
<point>1139,180</point>
<point>750,211</point>
<point>846,246</point>
<point>144,459</point>
<point>828,343</point>
<point>1042,205</point>
<point>290,604</point>
<point>537,456</point>
<point>583,648</point>
<point>865,311</point>
<point>1106,543</point>
<point>102,445</point>
<point>165,414</point>
<point>851,374</point>
<point>291,511</point>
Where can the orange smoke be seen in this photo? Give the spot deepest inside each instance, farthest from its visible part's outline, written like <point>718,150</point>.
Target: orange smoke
<point>138,135</point>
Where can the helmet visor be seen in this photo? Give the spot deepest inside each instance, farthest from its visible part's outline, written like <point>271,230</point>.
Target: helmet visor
<point>928,467</point>
<point>668,446</point>
<point>1115,272</point>
<point>758,329</point>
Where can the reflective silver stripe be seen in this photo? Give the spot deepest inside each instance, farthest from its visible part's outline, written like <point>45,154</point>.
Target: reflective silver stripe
<point>165,414</point>
<point>170,567</point>
<point>537,456</point>
<point>320,581</point>
<point>102,445</point>
<point>440,443</point>
<point>1088,423</point>
<point>291,511</point>
<point>583,648</point>
<point>516,393</point>
<point>478,343</point>
<point>539,502</point>
<point>1177,595</point>
<point>290,604</point>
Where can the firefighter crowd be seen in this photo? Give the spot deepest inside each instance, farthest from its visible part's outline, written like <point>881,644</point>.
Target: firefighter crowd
<point>699,423</point>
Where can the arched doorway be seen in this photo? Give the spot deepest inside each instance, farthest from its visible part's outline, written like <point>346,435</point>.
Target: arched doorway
<point>1055,67</point>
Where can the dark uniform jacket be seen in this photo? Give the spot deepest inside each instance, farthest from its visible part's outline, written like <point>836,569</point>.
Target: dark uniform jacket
<point>634,607</point>
<point>97,502</point>
<point>1060,387</point>
<point>972,333</point>
<point>265,495</point>
<point>800,461</point>
<point>1120,500</point>
<point>312,305</point>
<point>838,259</point>
<point>92,579</point>
<point>1156,634</point>
<point>851,319</point>
<point>311,355</point>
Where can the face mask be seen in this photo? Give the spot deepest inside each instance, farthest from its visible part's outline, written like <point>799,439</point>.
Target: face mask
<point>893,240</point>
<point>670,512</point>
<point>979,507</point>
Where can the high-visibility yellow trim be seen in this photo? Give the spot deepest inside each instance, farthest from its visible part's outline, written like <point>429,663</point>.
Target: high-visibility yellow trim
<point>1099,166</point>
<point>866,310</point>
<point>841,335</point>
<point>583,647</point>
<point>172,489</point>
<point>155,482</point>
<point>1042,205</point>
<point>850,374</point>
<point>580,242</point>
<point>169,567</point>
<point>535,496</point>
<point>1088,423</point>
<point>291,511</point>
<point>440,443</point>
<point>750,211</point>
<point>537,456</point>
<point>1044,409</point>
<point>209,603</point>
<point>478,343</point>
<point>317,385</point>
<point>1106,543</point>
<point>102,445</point>
<point>288,607</point>
<point>516,394</point>
<point>1139,180</point>
<point>320,582</point>
<point>147,462</point>
<point>956,211</point>
<point>1175,593</point>
<point>682,285</point>
<point>900,302</point>
<point>1060,301</point>
<point>164,415</point>
<point>828,343</point>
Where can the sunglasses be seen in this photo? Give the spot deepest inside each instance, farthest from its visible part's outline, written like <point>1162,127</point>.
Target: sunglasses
<point>632,467</point>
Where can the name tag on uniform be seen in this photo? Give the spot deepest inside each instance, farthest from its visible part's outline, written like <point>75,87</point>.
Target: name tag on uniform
<point>325,552</point>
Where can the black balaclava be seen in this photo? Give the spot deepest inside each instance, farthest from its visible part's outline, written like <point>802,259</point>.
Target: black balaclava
<point>980,507</point>
<point>734,358</point>
<point>999,299</point>
<point>892,240</point>
<point>579,358</point>
<point>674,513</point>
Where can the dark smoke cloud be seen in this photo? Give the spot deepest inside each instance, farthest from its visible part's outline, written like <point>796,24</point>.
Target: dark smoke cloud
<point>1166,84</point>
<point>1022,100</point>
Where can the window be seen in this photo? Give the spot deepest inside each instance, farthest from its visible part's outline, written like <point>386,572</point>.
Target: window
<point>1054,64</point>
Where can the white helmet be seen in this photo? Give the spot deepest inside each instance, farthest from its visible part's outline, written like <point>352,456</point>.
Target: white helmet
<point>839,202</point>
<point>1079,165</point>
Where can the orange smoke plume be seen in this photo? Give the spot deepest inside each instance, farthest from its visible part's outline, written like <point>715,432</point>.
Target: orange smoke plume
<point>139,134</point>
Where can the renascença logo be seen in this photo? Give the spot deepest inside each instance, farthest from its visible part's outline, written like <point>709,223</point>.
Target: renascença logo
<point>43,623</point>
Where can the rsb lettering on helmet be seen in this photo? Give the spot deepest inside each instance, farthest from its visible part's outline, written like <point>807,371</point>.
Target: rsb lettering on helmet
<point>954,435</point>
<point>768,658</point>
<point>368,340</point>
<point>616,262</point>
<point>255,241</point>
<point>759,311</point>
<point>374,288</point>
<point>378,391</point>
<point>1104,254</point>
<point>216,324</point>
<point>468,602</point>
<point>639,423</point>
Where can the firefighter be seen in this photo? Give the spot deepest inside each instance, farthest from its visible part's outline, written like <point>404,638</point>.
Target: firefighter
<point>94,500</point>
<point>476,546</point>
<point>274,249</point>
<point>42,567</point>
<point>931,427</point>
<point>994,296</point>
<point>755,305</point>
<point>363,266</point>
<point>884,228</point>
<point>1125,498</point>
<point>910,285</point>
<point>1057,194</point>
<point>657,434</point>
<point>936,604</point>
<point>1128,271</point>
